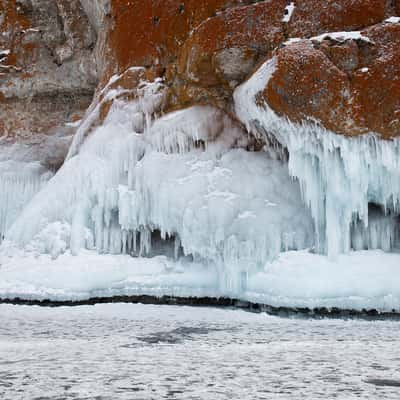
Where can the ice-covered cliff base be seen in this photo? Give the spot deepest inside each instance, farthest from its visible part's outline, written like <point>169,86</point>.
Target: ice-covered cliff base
<point>183,205</point>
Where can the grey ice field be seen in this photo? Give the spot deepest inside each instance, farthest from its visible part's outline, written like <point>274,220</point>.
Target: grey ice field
<point>167,352</point>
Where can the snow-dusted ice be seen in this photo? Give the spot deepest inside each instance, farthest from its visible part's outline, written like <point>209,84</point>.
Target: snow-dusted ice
<point>118,352</point>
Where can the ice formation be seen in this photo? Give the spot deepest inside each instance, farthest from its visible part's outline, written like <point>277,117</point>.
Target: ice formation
<point>183,182</point>
<point>21,177</point>
<point>340,177</point>
<point>19,182</point>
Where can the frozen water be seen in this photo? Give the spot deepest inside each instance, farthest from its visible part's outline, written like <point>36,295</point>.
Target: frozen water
<point>163,352</point>
<point>216,218</point>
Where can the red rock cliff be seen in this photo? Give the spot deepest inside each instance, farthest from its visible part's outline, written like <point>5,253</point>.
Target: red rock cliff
<point>54,53</point>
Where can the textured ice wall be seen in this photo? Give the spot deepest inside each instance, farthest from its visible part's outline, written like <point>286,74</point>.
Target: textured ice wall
<point>339,176</point>
<point>187,176</point>
<point>19,182</point>
<point>21,177</point>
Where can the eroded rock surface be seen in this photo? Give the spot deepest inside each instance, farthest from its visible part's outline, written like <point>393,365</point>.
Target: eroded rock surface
<point>48,74</point>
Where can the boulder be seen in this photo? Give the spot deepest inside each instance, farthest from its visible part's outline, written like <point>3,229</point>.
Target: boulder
<point>350,86</point>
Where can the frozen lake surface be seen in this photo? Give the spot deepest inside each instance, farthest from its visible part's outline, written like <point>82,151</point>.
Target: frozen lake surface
<point>124,351</point>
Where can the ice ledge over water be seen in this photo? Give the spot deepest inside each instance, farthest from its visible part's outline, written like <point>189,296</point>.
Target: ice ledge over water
<point>360,280</point>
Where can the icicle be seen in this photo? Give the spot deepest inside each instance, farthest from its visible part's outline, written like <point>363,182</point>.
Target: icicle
<point>145,241</point>
<point>177,246</point>
<point>134,241</point>
<point>125,245</point>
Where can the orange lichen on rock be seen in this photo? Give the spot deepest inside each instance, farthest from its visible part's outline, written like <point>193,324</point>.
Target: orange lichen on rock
<point>226,47</point>
<point>148,33</point>
<point>350,87</point>
<point>306,84</point>
<point>313,17</point>
<point>376,86</point>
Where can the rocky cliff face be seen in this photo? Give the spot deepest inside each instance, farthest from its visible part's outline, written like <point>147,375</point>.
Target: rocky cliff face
<point>56,53</point>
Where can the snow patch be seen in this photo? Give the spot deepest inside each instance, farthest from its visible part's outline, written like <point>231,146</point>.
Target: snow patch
<point>292,40</point>
<point>359,280</point>
<point>288,12</point>
<point>95,275</point>
<point>341,36</point>
<point>393,20</point>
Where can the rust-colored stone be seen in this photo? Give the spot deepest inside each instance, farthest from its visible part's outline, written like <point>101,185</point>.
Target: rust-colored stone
<point>351,87</point>
<point>376,92</point>
<point>226,47</point>
<point>307,85</point>
<point>14,22</point>
<point>313,17</point>
<point>150,32</point>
